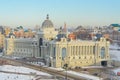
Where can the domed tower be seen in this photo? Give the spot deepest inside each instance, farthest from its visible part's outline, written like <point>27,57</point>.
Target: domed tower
<point>47,23</point>
<point>47,29</point>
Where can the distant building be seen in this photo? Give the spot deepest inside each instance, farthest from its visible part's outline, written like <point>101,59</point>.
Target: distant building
<point>1,30</point>
<point>7,31</point>
<point>115,27</point>
<point>21,33</point>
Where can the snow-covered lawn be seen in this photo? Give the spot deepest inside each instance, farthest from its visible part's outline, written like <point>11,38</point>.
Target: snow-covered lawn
<point>114,54</point>
<point>77,74</point>
<point>19,69</point>
<point>5,76</point>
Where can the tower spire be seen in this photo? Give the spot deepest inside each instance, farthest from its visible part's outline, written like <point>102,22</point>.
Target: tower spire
<point>47,16</point>
<point>65,27</point>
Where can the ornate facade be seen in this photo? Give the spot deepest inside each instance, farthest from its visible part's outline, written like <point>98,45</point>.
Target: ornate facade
<point>77,53</point>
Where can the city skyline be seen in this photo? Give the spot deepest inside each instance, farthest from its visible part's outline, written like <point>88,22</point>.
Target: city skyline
<point>73,12</point>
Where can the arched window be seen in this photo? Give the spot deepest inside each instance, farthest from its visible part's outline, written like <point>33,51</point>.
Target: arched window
<point>102,52</point>
<point>63,53</point>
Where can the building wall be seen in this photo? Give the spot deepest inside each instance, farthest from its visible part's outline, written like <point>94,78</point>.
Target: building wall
<point>1,40</point>
<point>24,47</point>
<point>78,53</point>
<point>49,33</point>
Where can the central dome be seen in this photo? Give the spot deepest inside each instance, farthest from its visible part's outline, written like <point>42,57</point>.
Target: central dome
<point>47,23</point>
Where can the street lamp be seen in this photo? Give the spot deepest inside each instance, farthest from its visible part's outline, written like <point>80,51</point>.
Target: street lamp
<point>65,67</point>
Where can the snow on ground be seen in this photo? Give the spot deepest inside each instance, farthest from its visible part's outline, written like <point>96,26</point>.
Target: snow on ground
<point>114,46</point>
<point>19,69</point>
<point>93,67</point>
<point>77,74</point>
<point>114,54</point>
<point>1,53</point>
<point>86,76</point>
<point>5,76</point>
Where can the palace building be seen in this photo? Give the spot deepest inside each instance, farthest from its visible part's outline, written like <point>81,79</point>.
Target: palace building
<point>76,53</point>
<point>60,49</point>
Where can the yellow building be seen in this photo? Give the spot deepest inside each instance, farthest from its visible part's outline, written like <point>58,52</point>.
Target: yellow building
<point>77,53</point>
<point>59,50</point>
<point>1,40</point>
<point>7,31</point>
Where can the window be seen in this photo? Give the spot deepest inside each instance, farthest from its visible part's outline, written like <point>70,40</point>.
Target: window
<point>63,53</point>
<point>54,50</point>
<point>35,43</point>
<point>76,50</point>
<point>93,49</point>
<point>40,42</point>
<point>102,52</point>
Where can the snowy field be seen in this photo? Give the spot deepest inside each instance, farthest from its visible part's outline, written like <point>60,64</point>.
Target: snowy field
<point>5,76</point>
<point>114,53</point>
<point>9,72</point>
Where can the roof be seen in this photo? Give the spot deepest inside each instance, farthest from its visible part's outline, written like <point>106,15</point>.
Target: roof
<point>47,23</point>
<point>115,25</point>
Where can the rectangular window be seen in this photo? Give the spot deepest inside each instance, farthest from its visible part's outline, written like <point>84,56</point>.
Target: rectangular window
<point>54,52</point>
<point>93,49</point>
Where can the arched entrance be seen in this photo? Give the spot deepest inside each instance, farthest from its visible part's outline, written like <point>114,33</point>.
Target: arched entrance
<point>103,63</point>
